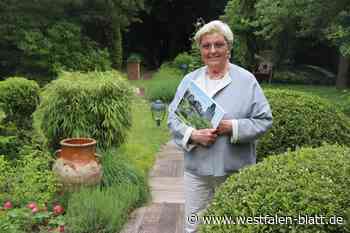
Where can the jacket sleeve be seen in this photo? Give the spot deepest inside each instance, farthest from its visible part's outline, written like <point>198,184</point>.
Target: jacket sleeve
<point>259,119</point>
<point>178,129</point>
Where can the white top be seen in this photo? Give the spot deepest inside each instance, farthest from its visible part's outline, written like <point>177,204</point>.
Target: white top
<point>210,86</point>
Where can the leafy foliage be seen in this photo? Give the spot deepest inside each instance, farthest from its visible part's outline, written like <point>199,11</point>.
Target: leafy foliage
<point>118,170</point>
<point>6,171</point>
<point>164,83</point>
<point>18,99</point>
<point>95,104</point>
<point>109,19</point>
<point>29,178</point>
<point>94,210</point>
<point>22,220</point>
<point>308,182</point>
<point>63,47</point>
<point>302,120</point>
<point>278,19</point>
<point>240,15</point>
<point>196,61</point>
<point>307,75</point>
<point>182,61</point>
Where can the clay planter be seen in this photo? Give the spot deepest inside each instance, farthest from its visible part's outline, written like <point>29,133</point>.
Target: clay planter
<point>77,163</point>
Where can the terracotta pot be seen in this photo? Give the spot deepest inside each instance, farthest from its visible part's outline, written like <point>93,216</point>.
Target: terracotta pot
<point>77,162</point>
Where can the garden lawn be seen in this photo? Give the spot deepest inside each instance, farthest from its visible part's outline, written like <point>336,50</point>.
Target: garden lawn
<point>144,138</point>
<point>341,98</point>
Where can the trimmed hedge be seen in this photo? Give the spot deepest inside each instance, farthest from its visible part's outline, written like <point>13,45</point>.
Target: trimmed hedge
<point>19,98</point>
<point>95,104</point>
<point>302,120</point>
<point>308,182</point>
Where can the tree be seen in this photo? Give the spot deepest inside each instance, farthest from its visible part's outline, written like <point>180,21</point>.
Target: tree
<point>167,26</point>
<point>105,20</point>
<point>240,14</point>
<point>18,17</point>
<point>339,33</point>
<point>323,20</point>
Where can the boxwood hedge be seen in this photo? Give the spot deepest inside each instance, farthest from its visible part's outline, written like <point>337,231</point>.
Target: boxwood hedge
<point>94,104</point>
<point>301,119</point>
<point>18,99</point>
<point>305,183</point>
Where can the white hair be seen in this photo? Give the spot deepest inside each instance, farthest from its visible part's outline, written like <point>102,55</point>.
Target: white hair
<point>215,26</point>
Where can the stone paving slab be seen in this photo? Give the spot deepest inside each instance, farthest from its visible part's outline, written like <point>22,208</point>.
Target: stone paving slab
<point>165,213</point>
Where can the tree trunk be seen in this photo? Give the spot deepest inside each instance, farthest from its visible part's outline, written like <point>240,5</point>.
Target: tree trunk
<point>114,42</point>
<point>342,76</point>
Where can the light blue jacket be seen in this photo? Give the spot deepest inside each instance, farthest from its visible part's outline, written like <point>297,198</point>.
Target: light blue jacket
<point>243,100</point>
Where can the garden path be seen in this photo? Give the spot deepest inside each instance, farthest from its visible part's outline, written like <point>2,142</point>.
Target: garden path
<point>164,214</point>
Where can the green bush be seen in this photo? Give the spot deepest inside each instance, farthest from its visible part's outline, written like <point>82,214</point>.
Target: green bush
<point>95,104</point>
<point>308,182</point>
<point>134,57</point>
<point>300,120</point>
<point>182,59</point>
<point>196,57</point>
<point>6,172</point>
<point>29,178</point>
<point>62,46</point>
<point>103,211</point>
<point>164,84</point>
<point>307,75</point>
<point>18,99</point>
<point>9,143</point>
<point>118,170</point>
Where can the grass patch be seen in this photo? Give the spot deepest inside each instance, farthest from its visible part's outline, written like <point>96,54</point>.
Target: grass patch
<point>162,85</point>
<point>144,138</point>
<point>338,97</point>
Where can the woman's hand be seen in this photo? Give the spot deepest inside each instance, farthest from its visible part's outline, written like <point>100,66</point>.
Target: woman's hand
<point>204,137</point>
<point>225,127</point>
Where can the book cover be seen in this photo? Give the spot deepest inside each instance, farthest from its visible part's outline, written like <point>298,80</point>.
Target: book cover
<point>197,109</point>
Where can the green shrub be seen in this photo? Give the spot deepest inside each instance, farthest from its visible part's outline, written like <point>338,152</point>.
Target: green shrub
<point>9,146</point>
<point>300,120</point>
<point>134,57</point>
<point>182,59</point>
<point>118,170</point>
<point>164,84</point>
<point>6,172</point>
<point>33,179</point>
<point>95,104</point>
<point>103,211</point>
<point>18,99</point>
<point>307,75</point>
<point>196,57</point>
<point>62,46</point>
<point>308,182</point>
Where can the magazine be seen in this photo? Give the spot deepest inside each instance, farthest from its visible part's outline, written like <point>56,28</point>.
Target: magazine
<point>197,109</point>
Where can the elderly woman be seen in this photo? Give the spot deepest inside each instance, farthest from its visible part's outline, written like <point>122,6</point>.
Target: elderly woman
<point>211,155</point>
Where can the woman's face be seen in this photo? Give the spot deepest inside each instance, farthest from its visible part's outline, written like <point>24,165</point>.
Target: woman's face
<point>214,49</point>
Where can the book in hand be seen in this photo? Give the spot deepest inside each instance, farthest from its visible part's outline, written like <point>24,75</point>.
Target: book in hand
<point>197,109</point>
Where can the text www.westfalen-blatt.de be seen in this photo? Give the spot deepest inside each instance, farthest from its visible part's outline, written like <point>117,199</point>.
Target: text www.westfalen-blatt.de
<point>266,219</point>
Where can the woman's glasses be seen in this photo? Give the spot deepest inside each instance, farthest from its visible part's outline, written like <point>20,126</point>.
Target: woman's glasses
<point>216,45</point>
